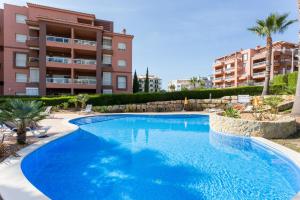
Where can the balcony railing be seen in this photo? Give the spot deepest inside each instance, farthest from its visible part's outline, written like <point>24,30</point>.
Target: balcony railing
<point>59,80</point>
<point>229,69</point>
<point>85,81</point>
<point>63,60</point>
<point>229,77</point>
<point>107,47</point>
<point>259,74</point>
<point>258,83</point>
<point>58,39</point>
<point>33,59</point>
<point>218,71</point>
<point>84,62</point>
<point>85,42</point>
<point>259,63</point>
<point>218,79</point>
<point>32,38</point>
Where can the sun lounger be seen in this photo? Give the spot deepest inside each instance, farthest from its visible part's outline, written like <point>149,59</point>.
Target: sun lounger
<point>88,108</point>
<point>47,111</point>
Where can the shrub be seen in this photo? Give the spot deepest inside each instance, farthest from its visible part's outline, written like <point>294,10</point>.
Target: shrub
<point>279,89</point>
<point>82,99</point>
<point>231,112</point>
<point>273,102</point>
<point>292,80</point>
<point>280,79</point>
<point>65,105</point>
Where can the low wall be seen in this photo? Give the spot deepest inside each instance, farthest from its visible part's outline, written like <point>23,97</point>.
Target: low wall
<point>176,105</point>
<point>266,129</point>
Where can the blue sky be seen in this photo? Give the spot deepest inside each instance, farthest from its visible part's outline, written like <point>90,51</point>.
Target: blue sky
<point>180,39</point>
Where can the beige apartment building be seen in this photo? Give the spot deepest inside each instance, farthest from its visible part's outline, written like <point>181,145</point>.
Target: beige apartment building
<point>247,67</point>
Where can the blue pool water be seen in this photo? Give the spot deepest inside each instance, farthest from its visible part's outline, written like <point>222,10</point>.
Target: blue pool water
<point>158,157</point>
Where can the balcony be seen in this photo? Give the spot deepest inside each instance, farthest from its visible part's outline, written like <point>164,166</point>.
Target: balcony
<point>258,64</point>
<point>219,71</point>
<point>218,63</point>
<point>84,62</point>
<point>59,80</point>
<point>229,78</point>
<point>63,60</point>
<point>218,79</point>
<point>258,83</point>
<point>32,41</point>
<point>229,70</point>
<point>85,81</point>
<point>259,75</point>
<point>58,39</point>
<point>33,62</point>
<point>85,42</point>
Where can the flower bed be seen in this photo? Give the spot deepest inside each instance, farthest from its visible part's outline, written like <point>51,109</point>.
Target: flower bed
<point>283,127</point>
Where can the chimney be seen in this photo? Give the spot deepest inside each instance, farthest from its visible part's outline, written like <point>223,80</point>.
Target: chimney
<point>124,31</point>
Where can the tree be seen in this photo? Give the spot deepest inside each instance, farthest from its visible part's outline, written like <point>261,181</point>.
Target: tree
<point>136,85</point>
<point>146,89</point>
<point>274,23</point>
<point>82,99</point>
<point>172,87</point>
<point>201,83</point>
<point>296,106</point>
<point>22,114</point>
<point>194,81</point>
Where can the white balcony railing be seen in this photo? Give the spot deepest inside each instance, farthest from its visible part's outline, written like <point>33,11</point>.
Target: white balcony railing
<point>56,59</point>
<point>259,74</point>
<point>85,81</point>
<point>84,62</point>
<point>58,39</point>
<point>59,80</point>
<point>229,77</point>
<point>229,69</point>
<point>85,42</point>
<point>218,79</point>
<point>218,71</point>
<point>259,63</point>
<point>107,47</point>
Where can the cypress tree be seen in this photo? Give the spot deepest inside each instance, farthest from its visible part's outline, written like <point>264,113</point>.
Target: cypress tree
<point>146,89</point>
<point>136,85</point>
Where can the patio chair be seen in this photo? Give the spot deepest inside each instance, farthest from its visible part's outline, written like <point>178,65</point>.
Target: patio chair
<point>88,108</point>
<point>47,111</point>
<point>34,129</point>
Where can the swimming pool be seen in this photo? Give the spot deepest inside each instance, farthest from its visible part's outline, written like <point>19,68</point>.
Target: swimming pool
<point>158,157</point>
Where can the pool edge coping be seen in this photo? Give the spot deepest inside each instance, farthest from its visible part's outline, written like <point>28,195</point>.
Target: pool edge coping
<point>25,190</point>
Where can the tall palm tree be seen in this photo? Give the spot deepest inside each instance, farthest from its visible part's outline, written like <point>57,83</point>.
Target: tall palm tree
<point>22,114</point>
<point>296,106</point>
<point>194,81</point>
<point>274,23</point>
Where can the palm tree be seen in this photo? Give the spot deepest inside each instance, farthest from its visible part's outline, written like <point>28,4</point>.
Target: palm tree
<point>274,23</point>
<point>22,114</point>
<point>82,99</point>
<point>296,106</point>
<point>194,81</point>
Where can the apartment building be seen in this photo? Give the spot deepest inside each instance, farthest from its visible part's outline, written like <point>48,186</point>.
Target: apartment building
<point>49,51</point>
<point>154,83</point>
<point>247,67</point>
<point>181,84</point>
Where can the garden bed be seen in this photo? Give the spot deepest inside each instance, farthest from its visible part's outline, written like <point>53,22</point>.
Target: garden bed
<point>282,127</point>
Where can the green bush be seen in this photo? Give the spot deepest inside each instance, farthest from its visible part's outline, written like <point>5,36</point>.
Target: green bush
<point>280,79</point>
<point>117,99</point>
<point>279,89</point>
<point>292,80</point>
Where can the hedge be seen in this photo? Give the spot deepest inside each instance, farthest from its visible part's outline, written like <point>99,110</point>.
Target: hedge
<point>280,79</point>
<point>292,80</point>
<point>115,99</point>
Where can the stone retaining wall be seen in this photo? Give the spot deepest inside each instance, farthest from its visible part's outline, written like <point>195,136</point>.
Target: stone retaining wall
<point>176,105</point>
<point>266,129</point>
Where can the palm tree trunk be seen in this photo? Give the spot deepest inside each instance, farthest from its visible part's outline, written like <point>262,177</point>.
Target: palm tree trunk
<point>21,136</point>
<point>268,66</point>
<point>296,106</point>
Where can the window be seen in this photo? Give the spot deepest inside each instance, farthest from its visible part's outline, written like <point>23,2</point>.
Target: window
<point>21,19</point>
<point>106,59</point>
<point>106,78</point>
<point>30,91</point>
<point>107,91</point>
<point>122,46</point>
<point>228,66</point>
<point>21,38</point>
<point>244,64</point>
<point>34,75</point>
<point>107,43</point>
<point>122,63</point>
<point>21,59</point>
<point>245,57</point>
<point>122,82</point>
<point>21,78</point>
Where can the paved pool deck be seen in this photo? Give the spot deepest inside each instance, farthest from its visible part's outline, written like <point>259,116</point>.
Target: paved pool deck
<point>15,186</point>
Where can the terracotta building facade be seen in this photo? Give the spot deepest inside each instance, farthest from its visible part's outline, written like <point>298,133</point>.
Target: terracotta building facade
<point>51,51</point>
<point>247,67</point>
